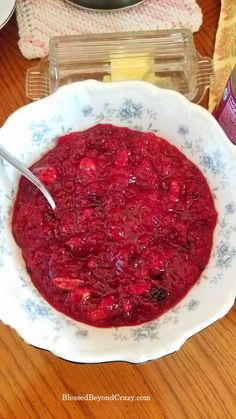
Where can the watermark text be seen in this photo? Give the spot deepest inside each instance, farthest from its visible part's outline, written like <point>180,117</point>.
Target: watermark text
<point>99,398</point>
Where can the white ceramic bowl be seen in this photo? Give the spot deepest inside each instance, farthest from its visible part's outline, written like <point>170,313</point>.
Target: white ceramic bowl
<point>6,11</point>
<point>30,131</point>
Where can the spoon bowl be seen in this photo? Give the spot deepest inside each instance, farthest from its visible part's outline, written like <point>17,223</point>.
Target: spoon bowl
<point>28,174</point>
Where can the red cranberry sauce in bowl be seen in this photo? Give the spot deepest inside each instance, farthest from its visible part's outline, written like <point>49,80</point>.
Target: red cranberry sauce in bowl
<point>132,230</point>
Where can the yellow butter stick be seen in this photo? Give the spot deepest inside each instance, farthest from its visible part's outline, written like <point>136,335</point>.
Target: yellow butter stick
<point>132,67</point>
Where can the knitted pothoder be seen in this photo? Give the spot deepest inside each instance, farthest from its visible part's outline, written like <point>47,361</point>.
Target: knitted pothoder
<point>39,20</point>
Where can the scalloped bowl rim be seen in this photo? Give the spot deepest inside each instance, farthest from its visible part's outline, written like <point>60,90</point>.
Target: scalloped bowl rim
<point>123,355</point>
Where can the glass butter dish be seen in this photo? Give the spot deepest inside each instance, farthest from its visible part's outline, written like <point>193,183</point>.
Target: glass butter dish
<point>166,58</point>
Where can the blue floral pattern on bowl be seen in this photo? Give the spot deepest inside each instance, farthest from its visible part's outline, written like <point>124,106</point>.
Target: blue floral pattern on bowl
<point>143,107</point>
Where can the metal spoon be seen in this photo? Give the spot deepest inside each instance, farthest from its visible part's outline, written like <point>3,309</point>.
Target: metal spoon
<point>28,174</point>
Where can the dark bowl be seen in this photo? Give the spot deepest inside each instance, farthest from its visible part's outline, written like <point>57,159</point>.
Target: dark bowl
<point>105,4</point>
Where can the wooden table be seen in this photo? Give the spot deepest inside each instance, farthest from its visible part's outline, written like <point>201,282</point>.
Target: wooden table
<point>196,382</point>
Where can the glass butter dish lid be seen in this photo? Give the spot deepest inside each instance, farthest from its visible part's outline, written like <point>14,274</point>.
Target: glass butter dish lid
<point>166,58</point>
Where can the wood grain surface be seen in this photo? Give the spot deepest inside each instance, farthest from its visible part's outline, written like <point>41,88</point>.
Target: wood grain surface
<point>196,382</point>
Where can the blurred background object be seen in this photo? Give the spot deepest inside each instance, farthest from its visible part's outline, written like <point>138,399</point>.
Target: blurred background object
<point>105,4</point>
<point>7,8</point>
<point>224,57</point>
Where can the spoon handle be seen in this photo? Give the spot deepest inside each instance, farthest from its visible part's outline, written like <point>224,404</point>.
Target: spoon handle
<point>28,174</point>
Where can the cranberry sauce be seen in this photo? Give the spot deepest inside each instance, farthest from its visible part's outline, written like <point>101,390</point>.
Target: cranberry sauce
<point>132,231</point>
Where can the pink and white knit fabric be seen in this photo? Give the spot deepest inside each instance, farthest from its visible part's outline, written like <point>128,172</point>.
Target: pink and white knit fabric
<point>39,20</point>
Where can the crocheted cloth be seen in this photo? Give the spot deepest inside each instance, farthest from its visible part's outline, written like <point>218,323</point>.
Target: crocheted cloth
<point>39,20</point>
<point>225,50</point>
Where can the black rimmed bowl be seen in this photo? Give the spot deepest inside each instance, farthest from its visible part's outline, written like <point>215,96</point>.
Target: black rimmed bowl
<point>105,4</point>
